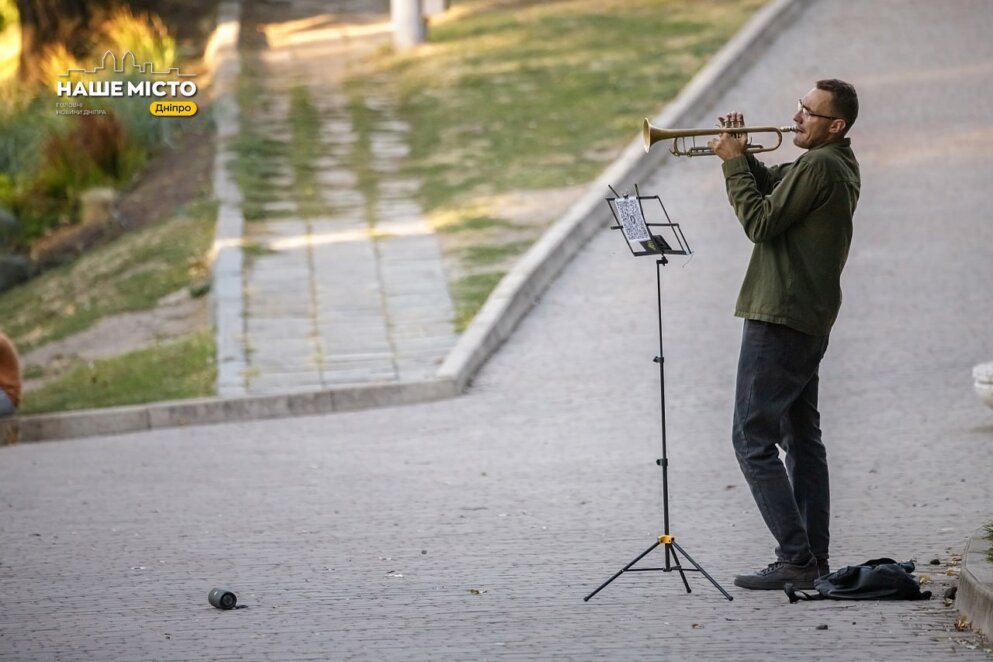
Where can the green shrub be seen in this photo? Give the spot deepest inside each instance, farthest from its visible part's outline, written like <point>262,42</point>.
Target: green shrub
<point>145,35</point>
<point>25,126</point>
<point>8,14</point>
<point>25,121</point>
<point>47,160</point>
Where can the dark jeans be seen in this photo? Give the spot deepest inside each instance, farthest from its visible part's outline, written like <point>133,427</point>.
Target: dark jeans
<point>776,404</point>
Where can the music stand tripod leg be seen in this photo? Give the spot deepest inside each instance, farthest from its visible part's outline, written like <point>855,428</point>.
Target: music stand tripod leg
<point>679,566</point>
<point>621,571</point>
<point>702,572</point>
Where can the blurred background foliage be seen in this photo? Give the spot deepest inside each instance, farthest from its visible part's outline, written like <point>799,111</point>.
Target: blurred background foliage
<point>48,160</point>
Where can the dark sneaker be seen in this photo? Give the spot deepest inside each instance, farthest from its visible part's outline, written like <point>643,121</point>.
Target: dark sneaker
<point>823,568</point>
<point>778,574</point>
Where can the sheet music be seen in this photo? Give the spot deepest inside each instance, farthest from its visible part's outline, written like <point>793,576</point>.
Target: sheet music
<point>632,221</point>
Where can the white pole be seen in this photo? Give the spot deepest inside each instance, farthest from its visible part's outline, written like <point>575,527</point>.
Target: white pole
<point>408,25</point>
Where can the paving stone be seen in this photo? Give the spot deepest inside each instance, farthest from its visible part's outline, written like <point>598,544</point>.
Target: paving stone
<point>417,370</point>
<point>397,188</point>
<point>348,358</point>
<point>388,146</point>
<point>331,101</point>
<point>337,178</point>
<point>276,307</point>
<point>395,126</point>
<point>385,165</point>
<point>324,163</point>
<point>337,126</point>
<point>340,139</point>
<point>348,345</point>
<point>424,329</point>
<point>280,207</point>
<point>283,361</point>
<point>342,232</point>
<point>281,182</point>
<point>343,198</point>
<point>284,267</point>
<point>278,228</point>
<point>378,104</point>
<point>395,209</point>
<point>289,329</point>
<point>286,383</point>
<point>346,362</point>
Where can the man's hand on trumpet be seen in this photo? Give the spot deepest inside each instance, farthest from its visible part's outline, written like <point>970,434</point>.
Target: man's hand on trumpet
<point>729,145</point>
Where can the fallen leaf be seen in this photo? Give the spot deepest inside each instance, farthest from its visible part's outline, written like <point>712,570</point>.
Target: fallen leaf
<point>924,579</point>
<point>962,624</point>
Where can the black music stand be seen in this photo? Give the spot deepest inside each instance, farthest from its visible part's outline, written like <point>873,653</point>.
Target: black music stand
<point>629,213</point>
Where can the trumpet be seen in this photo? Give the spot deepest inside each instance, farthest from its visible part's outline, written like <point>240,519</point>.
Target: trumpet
<point>652,134</point>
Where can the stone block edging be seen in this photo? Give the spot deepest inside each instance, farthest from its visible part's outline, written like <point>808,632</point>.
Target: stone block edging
<point>226,292</point>
<point>205,411</point>
<point>974,598</point>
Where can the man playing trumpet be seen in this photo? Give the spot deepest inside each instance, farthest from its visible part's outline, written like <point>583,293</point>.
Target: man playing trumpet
<point>799,217</point>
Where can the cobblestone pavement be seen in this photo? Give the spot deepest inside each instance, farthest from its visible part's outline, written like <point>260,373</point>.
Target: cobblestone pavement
<point>472,528</point>
<point>347,284</point>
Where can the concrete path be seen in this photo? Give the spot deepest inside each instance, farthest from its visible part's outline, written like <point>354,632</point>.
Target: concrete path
<point>472,528</point>
<point>355,293</point>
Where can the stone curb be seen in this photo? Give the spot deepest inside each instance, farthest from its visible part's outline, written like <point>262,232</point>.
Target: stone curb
<point>227,301</point>
<point>513,297</point>
<point>974,598</point>
<point>119,420</point>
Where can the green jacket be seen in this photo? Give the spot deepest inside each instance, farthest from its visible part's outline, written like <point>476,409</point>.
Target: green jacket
<point>799,216</point>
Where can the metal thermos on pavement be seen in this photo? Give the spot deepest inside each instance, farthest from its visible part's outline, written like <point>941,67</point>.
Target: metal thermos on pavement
<point>222,599</point>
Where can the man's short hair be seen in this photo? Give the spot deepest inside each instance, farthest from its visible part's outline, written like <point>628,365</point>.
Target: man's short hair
<point>844,100</point>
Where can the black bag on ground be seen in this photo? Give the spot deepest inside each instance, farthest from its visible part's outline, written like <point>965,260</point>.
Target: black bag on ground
<point>876,579</point>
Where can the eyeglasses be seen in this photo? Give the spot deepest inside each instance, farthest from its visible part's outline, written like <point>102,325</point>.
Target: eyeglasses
<point>808,113</point>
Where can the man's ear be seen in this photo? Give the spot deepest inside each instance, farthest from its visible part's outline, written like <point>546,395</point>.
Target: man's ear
<point>837,126</point>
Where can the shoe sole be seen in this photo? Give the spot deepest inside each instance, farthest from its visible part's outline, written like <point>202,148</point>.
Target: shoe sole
<point>799,585</point>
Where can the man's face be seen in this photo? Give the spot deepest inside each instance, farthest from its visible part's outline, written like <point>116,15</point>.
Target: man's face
<point>815,120</point>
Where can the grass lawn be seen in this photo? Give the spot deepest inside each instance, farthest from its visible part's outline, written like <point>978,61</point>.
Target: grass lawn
<point>130,274</point>
<point>181,369</point>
